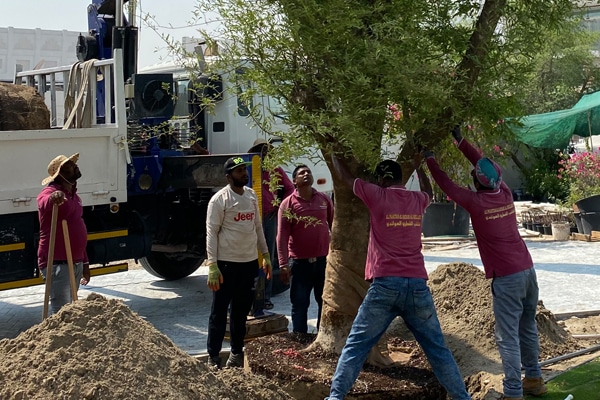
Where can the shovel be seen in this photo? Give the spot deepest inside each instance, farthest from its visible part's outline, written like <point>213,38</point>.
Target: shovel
<point>69,260</point>
<point>50,259</point>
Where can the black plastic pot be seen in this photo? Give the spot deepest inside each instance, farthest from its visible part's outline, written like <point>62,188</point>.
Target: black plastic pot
<point>547,230</point>
<point>578,222</point>
<point>445,219</point>
<point>590,221</point>
<point>589,204</point>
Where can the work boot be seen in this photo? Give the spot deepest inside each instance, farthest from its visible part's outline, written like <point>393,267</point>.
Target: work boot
<point>214,363</point>
<point>534,386</point>
<point>235,361</point>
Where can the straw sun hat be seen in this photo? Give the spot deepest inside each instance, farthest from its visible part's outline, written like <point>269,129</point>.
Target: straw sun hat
<point>55,166</point>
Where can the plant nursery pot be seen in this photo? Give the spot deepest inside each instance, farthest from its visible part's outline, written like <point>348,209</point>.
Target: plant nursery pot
<point>547,230</point>
<point>578,222</point>
<point>588,204</point>
<point>444,219</point>
<point>529,226</point>
<point>561,231</point>
<point>590,221</point>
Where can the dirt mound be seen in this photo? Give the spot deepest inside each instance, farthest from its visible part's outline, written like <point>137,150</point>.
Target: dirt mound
<point>22,108</point>
<point>99,349</point>
<point>463,299</point>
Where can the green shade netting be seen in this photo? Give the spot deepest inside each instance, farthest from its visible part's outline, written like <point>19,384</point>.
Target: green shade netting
<point>554,130</point>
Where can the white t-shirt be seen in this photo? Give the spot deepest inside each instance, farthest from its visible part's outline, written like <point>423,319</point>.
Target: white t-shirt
<point>234,227</point>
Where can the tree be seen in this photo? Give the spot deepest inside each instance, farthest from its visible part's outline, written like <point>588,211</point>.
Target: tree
<point>337,66</point>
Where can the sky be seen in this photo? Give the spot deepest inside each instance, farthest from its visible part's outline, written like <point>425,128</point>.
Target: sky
<point>71,15</point>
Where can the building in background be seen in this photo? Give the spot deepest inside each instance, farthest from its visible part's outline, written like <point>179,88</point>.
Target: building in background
<point>35,48</point>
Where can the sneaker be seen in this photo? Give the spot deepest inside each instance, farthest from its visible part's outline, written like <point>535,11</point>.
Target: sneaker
<point>268,305</point>
<point>235,361</point>
<point>534,386</point>
<point>214,362</point>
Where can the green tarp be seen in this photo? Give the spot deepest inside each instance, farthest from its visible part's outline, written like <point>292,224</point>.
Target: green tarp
<point>554,130</point>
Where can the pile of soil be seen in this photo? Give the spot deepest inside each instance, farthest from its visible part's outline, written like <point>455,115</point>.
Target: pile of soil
<point>99,349</point>
<point>463,299</point>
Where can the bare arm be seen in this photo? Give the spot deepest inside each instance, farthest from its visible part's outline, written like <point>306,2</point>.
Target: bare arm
<point>342,171</point>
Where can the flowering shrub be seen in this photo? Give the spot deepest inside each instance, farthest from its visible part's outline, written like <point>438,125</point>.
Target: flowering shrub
<point>582,171</point>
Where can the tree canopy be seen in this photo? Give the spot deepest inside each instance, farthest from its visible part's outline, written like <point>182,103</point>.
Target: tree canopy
<point>351,73</point>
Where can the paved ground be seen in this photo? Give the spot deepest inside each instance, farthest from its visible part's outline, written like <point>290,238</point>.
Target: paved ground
<point>568,274</point>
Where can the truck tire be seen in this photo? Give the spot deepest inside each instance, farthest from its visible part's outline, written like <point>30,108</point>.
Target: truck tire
<point>169,268</point>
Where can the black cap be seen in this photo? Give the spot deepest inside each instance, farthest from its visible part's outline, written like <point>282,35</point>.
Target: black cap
<point>234,162</point>
<point>389,169</point>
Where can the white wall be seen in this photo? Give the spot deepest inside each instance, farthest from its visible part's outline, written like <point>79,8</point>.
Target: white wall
<point>32,46</point>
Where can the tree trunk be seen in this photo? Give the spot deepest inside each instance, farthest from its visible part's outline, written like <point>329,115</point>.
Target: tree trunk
<point>22,108</point>
<point>345,285</point>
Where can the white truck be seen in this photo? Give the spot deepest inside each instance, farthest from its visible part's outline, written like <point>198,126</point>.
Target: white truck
<point>144,192</point>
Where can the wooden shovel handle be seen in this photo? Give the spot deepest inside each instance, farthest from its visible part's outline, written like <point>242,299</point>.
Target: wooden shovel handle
<point>69,260</point>
<point>50,260</point>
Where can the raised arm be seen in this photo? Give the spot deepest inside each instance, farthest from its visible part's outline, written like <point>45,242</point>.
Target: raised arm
<point>342,171</point>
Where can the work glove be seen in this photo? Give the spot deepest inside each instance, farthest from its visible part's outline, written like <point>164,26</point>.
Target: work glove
<point>284,274</point>
<point>266,264</point>
<point>456,133</point>
<point>428,153</point>
<point>215,278</point>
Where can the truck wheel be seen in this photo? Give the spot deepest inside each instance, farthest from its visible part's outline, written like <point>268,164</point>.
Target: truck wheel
<point>169,268</point>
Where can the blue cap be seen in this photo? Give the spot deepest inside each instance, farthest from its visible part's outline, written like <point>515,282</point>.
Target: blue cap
<point>488,173</point>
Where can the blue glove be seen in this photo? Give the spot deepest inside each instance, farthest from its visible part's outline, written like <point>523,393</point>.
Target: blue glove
<point>456,133</point>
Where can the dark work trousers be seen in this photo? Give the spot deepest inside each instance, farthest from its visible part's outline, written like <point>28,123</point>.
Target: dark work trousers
<point>237,289</point>
<point>307,275</point>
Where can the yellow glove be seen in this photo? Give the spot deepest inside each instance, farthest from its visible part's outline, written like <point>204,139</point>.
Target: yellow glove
<point>215,278</point>
<point>267,268</point>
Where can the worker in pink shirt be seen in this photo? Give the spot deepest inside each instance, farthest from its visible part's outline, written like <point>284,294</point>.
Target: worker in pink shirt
<point>305,218</point>
<point>506,260</point>
<point>396,269</point>
<point>61,190</point>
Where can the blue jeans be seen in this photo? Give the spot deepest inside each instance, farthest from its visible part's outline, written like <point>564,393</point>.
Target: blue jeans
<point>269,222</point>
<point>306,276</point>
<point>387,298</point>
<point>515,302</point>
<point>60,287</point>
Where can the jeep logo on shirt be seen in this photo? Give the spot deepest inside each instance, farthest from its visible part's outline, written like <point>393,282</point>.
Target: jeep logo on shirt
<point>244,216</point>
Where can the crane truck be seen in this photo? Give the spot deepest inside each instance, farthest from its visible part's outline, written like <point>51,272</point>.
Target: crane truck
<point>144,192</point>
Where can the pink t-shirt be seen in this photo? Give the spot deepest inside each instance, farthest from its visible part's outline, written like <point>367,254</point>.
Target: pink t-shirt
<point>268,197</point>
<point>395,236</point>
<point>72,211</point>
<point>502,250</point>
<point>300,239</point>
